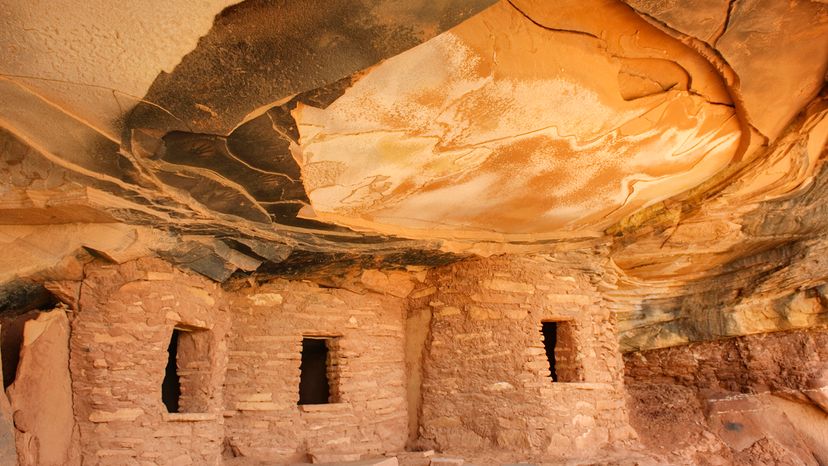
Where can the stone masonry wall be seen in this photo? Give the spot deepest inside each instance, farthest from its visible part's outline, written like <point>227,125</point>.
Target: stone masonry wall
<point>118,355</point>
<point>239,354</point>
<point>262,385</point>
<point>484,368</point>
<point>486,375</point>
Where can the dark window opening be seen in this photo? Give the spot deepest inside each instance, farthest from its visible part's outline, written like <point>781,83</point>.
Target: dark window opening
<point>550,339</point>
<point>317,372</point>
<point>171,386</point>
<point>188,379</point>
<point>560,342</point>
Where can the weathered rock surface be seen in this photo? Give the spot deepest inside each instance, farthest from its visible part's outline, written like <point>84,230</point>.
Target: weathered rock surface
<point>8,450</point>
<point>41,395</point>
<point>534,120</point>
<point>774,51</point>
<point>193,148</point>
<point>742,401</point>
<point>741,254</point>
<point>690,139</point>
<point>507,112</point>
<point>673,153</point>
<point>553,123</point>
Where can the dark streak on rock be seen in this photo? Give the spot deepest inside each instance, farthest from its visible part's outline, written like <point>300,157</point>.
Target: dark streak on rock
<point>255,159</point>
<point>20,296</point>
<point>730,6</point>
<point>785,234</point>
<point>181,135</point>
<point>210,153</point>
<point>261,51</point>
<point>548,28</point>
<point>331,268</point>
<point>214,195</point>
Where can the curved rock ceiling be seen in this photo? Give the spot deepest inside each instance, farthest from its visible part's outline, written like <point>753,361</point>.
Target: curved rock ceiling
<point>517,124</point>
<point>683,141</point>
<point>93,60</point>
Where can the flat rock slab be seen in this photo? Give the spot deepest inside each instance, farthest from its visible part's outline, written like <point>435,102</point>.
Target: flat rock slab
<point>447,461</point>
<point>392,461</point>
<point>41,395</point>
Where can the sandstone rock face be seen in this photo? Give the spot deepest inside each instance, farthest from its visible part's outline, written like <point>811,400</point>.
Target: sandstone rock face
<point>669,419</point>
<point>739,255</point>
<point>8,449</point>
<point>776,50</point>
<point>745,400</point>
<point>96,73</point>
<point>780,362</point>
<point>552,122</point>
<point>150,152</point>
<point>41,395</point>
<point>421,184</point>
<point>689,140</point>
<point>541,122</point>
<point>757,431</point>
<point>817,390</point>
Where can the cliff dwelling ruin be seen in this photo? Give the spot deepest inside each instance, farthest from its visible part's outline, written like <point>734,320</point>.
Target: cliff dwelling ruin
<point>414,232</point>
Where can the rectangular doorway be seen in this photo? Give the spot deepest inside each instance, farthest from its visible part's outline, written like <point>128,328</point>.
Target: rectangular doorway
<point>318,379</point>
<point>561,346</point>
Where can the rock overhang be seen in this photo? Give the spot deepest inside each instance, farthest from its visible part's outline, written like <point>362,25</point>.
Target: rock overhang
<point>684,147</point>
<point>503,127</point>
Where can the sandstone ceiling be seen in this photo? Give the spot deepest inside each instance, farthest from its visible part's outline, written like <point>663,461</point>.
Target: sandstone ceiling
<point>683,141</point>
